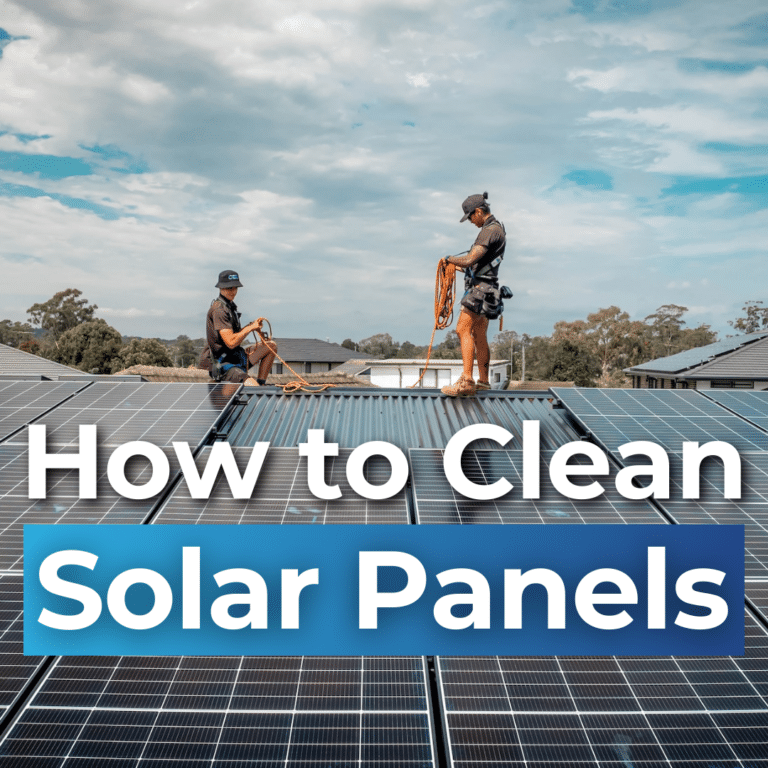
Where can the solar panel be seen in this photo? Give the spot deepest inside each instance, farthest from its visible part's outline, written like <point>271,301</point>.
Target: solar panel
<point>751,510</point>
<point>23,401</point>
<point>123,411</point>
<point>757,592</point>
<point>282,495</point>
<point>437,502</point>
<point>630,711</point>
<point>258,710</point>
<point>667,417</point>
<point>15,669</point>
<point>232,711</point>
<point>750,405</point>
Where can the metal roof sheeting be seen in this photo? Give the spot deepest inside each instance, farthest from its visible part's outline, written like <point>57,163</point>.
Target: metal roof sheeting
<point>14,361</point>
<point>691,358</point>
<point>405,418</point>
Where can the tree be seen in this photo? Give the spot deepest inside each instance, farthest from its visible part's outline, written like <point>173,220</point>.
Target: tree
<point>90,346</point>
<point>144,352</point>
<point>449,348</point>
<point>14,334</point>
<point>185,351</point>
<point>409,351</point>
<point>754,319</point>
<point>571,361</point>
<point>63,311</point>
<point>349,344</point>
<point>379,345</point>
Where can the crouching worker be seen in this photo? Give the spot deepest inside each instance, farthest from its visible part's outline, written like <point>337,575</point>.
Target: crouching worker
<point>224,358</point>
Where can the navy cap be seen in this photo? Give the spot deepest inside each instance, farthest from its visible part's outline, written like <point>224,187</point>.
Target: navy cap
<point>229,279</point>
<point>471,203</point>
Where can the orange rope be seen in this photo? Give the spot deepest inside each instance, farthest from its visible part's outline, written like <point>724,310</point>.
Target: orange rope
<point>301,384</point>
<point>445,298</point>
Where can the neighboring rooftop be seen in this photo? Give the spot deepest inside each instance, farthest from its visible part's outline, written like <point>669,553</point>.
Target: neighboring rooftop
<point>313,351</point>
<point>15,362</point>
<point>692,358</point>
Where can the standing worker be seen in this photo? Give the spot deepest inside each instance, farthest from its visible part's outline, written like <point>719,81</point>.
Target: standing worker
<point>224,358</point>
<point>481,280</point>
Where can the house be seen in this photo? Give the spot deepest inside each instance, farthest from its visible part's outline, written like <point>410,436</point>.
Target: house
<point>394,373</point>
<point>738,362</point>
<point>310,355</point>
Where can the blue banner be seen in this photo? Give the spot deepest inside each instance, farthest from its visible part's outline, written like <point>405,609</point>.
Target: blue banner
<point>389,590</point>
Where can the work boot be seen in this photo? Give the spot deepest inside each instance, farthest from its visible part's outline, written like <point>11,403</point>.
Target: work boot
<point>464,387</point>
<point>483,385</point>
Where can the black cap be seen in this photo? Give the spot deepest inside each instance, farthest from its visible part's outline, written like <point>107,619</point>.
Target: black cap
<point>471,203</point>
<point>229,279</point>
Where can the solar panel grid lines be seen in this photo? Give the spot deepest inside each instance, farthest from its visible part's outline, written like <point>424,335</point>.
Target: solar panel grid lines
<point>757,594</point>
<point>126,411</point>
<point>21,402</point>
<point>63,505</point>
<point>282,495</point>
<point>363,722</point>
<point>438,503</point>
<point>750,405</point>
<point>15,668</point>
<point>667,417</point>
<point>598,710</point>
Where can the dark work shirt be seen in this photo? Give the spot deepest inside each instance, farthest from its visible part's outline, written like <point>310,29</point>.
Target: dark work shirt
<point>222,315</point>
<point>491,236</point>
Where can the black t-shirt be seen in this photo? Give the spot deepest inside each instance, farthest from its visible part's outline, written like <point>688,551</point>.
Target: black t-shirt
<point>222,315</point>
<point>493,237</point>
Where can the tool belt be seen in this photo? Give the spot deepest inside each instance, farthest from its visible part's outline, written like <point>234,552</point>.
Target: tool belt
<point>486,299</point>
<point>219,367</point>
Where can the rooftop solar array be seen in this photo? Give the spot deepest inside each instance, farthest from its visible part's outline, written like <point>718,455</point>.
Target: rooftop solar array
<point>227,711</point>
<point>699,355</point>
<point>750,405</point>
<point>21,402</point>
<point>282,495</point>
<point>757,594</point>
<point>668,417</point>
<point>123,411</point>
<point>15,668</point>
<point>630,711</point>
<point>437,502</point>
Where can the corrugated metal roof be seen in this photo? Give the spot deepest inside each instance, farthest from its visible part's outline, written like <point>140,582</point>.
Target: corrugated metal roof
<point>14,361</point>
<point>691,358</point>
<point>750,362</point>
<point>405,418</point>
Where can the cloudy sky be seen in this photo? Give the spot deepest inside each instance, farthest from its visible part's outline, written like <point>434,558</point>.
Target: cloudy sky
<point>323,148</point>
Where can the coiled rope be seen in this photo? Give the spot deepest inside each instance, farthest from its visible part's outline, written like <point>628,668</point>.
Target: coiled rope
<point>445,298</point>
<point>300,384</point>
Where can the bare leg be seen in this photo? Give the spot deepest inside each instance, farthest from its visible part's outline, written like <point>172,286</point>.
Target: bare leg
<point>264,355</point>
<point>464,330</point>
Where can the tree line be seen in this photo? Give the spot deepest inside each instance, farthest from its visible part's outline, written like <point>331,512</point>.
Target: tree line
<point>591,352</point>
<point>66,330</point>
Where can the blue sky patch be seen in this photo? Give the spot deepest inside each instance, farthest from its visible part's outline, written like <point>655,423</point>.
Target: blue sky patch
<point>21,190</point>
<point>715,65</point>
<point>619,9</point>
<point>741,185</point>
<point>590,179</point>
<point>754,30</point>
<point>48,166</point>
<point>130,164</point>
<point>752,150</point>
